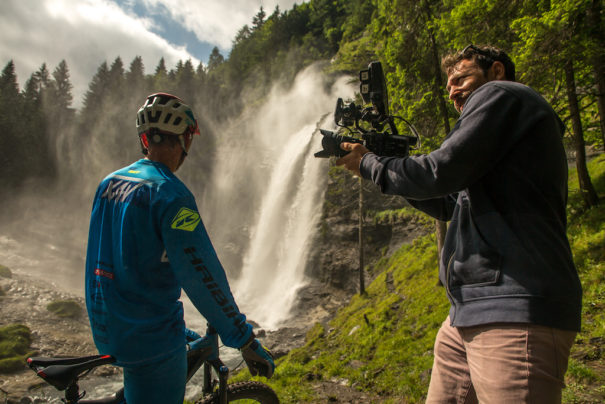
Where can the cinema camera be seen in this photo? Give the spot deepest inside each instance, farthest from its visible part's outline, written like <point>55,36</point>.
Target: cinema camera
<point>379,141</point>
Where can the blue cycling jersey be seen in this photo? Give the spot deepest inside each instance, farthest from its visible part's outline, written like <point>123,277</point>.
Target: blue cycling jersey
<point>146,242</point>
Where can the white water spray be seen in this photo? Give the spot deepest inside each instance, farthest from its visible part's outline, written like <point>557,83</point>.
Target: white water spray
<point>274,264</point>
<point>270,187</point>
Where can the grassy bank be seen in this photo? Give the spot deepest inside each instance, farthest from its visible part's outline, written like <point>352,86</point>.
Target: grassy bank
<point>586,374</point>
<point>382,342</point>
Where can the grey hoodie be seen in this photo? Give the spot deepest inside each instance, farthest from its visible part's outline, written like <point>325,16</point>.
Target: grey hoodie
<point>500,176</point>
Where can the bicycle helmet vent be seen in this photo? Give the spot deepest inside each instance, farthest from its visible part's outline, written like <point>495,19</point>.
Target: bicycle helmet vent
<point>166,113</point>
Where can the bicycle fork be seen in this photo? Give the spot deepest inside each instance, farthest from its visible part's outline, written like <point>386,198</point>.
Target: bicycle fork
<point>221,370</point>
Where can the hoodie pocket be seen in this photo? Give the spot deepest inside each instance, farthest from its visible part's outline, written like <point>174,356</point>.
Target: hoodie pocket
<point>475,262</point>
<point>475,270</point>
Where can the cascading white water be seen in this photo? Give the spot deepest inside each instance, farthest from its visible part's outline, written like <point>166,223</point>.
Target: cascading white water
<point>274,265</point>
<point>269,187</point>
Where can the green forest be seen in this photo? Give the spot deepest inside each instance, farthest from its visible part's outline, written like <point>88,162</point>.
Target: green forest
<point>558,47</point>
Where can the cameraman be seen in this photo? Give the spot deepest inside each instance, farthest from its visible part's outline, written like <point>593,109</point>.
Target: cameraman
<point>500,177</point>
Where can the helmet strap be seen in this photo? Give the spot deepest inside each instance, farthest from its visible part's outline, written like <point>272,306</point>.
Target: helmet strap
<point>144,143</point>
<point>182,142</point>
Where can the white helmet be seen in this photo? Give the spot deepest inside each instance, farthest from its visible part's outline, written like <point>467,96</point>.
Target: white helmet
<point>166,113</point>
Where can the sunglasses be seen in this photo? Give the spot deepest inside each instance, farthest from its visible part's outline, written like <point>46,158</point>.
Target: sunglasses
<point>478,51</point>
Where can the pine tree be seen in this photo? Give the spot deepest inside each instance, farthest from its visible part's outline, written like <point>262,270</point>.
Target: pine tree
<point>135,79</point>
<point>62,86</point>
<point>11,130</point>
<point>185,81</point>
<point>96,94</point>
<point>161,80</point>
<point>215,59</point>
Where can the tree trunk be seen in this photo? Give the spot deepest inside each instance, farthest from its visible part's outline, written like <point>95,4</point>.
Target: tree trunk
<point>440,227</point>
<point>362,284</point>
<point>598,60</point>
<point>599,72</point>
<point>586,188</point>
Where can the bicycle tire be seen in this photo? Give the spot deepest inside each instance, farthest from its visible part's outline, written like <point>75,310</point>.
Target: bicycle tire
<point>256,391</point>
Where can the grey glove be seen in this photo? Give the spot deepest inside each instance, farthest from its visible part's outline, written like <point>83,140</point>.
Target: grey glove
<point>258,358</point>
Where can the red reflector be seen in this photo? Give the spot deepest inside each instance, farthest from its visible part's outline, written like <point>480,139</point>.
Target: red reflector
<point>42,374</point>
<point>106,356</point>
<point>106,274</point>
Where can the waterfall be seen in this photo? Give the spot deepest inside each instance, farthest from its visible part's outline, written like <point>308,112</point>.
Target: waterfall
<point>264,202</point>
<point>274,264</point>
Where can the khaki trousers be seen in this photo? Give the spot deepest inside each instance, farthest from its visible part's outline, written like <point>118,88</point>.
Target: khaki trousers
<point>499,363</point>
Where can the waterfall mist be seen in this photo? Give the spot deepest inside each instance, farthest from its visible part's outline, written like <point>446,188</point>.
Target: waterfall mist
<point>258,188</point>
<point>264,200</point>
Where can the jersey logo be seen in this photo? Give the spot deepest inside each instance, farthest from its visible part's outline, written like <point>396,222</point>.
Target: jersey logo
<point>186,219</point>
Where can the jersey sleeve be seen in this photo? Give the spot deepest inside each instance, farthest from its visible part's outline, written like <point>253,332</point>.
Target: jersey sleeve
<point>199,271</point>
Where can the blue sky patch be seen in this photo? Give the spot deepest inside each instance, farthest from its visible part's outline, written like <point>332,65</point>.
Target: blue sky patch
<point>169,29</point>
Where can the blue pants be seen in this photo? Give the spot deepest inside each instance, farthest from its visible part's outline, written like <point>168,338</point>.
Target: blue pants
<point>161,382</point>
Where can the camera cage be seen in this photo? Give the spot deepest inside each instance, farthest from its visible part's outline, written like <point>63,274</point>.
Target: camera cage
<point>347,115</point>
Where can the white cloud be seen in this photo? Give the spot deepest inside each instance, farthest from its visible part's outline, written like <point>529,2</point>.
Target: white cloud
<point>218,21</point>
<point>83,32</point>
<point>87,32</point>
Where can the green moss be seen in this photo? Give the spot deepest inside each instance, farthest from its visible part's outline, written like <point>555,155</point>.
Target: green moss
<point>585,378</point>
<point>5,272</point>
<point>15,340</point>
<point>65,308</point>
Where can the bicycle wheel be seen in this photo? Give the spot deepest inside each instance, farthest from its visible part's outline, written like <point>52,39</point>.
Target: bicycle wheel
<point>244,392</point>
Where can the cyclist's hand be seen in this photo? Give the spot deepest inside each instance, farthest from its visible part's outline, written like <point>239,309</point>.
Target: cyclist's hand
<point>258,358</point>
<point>191,335</point>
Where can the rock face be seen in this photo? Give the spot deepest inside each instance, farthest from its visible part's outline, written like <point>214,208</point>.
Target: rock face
<point>333,266</point>
<point>335,257</point>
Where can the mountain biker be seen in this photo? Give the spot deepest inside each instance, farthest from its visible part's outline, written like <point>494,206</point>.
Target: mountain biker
<point>500,176</point>
<point>146,242</point>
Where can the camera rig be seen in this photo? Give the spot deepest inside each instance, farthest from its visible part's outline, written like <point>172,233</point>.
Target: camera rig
<point>381,141</point>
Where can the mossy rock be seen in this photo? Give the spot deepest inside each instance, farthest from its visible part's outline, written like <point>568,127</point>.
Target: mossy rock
<point>65,308</point>
<point>15,340</point>
<point>5,272</point>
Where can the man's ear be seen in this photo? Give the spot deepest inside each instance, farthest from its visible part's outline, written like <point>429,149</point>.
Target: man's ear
<point>497,71</point>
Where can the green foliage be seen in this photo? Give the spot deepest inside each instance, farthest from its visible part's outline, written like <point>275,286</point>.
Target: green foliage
<point>65,308</point>
<point>5,272</point>
<point>15,340</point>
<point>586,377</point>
<point>407,214</point>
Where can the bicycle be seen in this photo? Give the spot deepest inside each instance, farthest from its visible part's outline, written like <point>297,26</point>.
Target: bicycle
<point>63,374</point>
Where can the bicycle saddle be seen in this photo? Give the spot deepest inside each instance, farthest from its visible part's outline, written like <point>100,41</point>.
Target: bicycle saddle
<point>62,372</point>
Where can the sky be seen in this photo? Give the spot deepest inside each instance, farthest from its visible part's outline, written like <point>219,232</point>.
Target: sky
<point>88,32</point>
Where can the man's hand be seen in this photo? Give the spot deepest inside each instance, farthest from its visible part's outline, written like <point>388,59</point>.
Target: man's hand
<point>352,160</point>
<point>258,358</point>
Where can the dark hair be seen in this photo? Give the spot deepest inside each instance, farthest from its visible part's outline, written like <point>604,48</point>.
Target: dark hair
<point>484,56</point>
